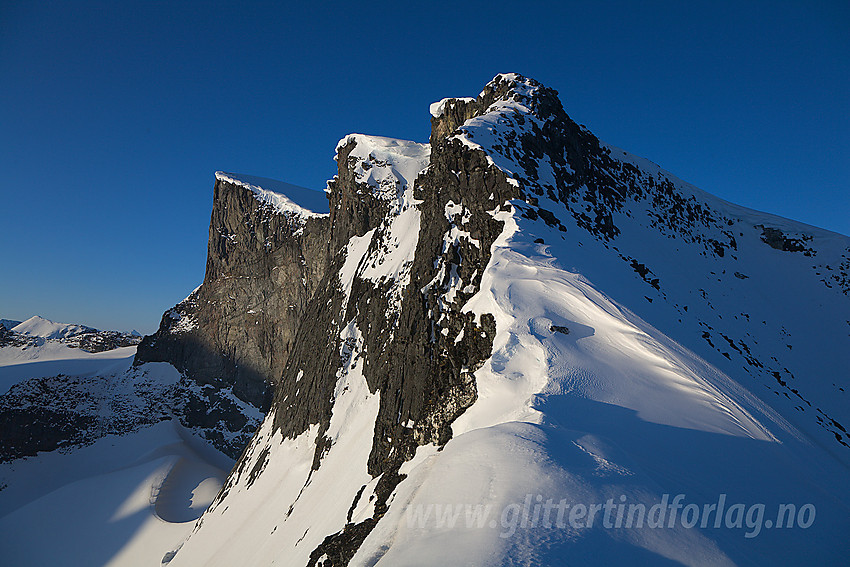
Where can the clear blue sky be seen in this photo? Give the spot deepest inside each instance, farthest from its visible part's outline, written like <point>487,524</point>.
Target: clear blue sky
<point>114,116</point>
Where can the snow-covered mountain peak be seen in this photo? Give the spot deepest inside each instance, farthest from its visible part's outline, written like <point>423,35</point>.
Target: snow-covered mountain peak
<point>513,315</point>
<point>559,317</point>
<point>38,326</point>
<point>386,165</point>
<point>580,194</point>
<point>516,87</point>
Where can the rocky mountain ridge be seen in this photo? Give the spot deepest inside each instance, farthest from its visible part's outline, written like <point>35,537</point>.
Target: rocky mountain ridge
<point>394,334</point>
<point>38,330</point>
<point>512,309</point>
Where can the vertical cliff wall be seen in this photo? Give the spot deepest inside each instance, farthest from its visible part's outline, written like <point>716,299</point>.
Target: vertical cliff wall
<point>234,333</point>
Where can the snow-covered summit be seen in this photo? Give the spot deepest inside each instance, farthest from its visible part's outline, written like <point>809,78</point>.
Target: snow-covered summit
<point>389,165</point>
<point>515,83</point>
<point>283,197</point>
<point>36,336</point>
<point>45,328</point>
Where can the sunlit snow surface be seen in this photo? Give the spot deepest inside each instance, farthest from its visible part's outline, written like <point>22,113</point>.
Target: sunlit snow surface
<point>613,409</point>
<point>285,198</point>
<point>53,357</point>
<point>40,327</point>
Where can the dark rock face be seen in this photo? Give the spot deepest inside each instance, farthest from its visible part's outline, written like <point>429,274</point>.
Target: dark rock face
<point>776,239</point>
<point>421,350</point>
<point>101,341</point>
<point>233,335</point>
<point>13,339</point>
<point>45,414</point>
<point>238,328</point>
<point>407,352</point>
<point>26,432</point>
<point>356,207</point>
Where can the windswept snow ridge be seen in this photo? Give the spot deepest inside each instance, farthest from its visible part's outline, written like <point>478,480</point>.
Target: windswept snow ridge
<point>283,197</point>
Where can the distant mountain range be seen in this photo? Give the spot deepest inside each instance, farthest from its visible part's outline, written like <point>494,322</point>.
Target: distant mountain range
<point>36,330</point>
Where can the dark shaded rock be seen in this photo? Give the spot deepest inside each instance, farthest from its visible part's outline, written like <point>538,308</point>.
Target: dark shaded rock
<point>24,432</point>
<point>101,341</point>
<point>45,414</point>
<point>422,352</point>
<point>238,328</point>
<point>776,239</point>
<point>13,339</point>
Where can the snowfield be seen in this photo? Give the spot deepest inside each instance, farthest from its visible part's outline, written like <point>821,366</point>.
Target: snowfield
<point>124,500</point>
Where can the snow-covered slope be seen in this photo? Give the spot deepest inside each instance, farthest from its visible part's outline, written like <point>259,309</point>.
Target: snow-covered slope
<point>120,501</point>
<point>45,328</point>
<point>283,197</point>
<point>583,402</point>
<point>649,349</point>
<point>93,469</point>
<point>54,357</point>
<point>39,347</point>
